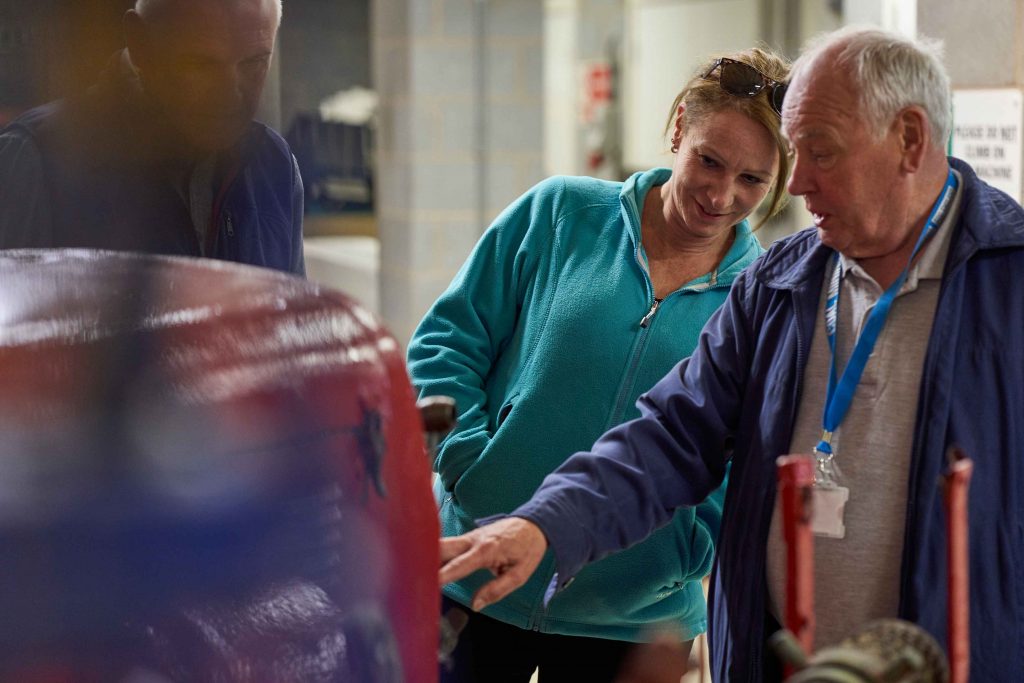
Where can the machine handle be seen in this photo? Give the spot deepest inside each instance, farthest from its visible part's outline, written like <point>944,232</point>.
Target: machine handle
<point>796,477</point>
<point>955,484</point>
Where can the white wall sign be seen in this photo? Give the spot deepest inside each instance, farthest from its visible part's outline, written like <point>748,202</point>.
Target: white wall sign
<point>987,130</point>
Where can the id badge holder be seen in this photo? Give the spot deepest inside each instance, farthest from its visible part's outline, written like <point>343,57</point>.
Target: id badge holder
<point>828,509</point>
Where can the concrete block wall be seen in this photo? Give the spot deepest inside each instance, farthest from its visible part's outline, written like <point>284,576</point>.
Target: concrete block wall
<point>460,135</point>
<point>984,39</point>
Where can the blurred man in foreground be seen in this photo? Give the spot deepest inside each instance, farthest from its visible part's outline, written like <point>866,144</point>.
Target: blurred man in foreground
<point>162,155</point>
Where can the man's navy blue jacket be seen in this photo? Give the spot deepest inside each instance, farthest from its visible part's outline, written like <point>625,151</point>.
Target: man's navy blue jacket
<point>89,172</point>
<point>738,395</point>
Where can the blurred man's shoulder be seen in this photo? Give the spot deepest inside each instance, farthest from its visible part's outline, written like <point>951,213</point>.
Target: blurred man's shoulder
<point>30,123</point>
<point>264,147</point>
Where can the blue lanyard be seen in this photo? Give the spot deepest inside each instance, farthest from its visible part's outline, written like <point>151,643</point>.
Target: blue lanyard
<point>840,393</point>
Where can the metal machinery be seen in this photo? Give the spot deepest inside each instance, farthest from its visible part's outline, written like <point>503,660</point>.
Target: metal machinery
<point>887,650</point>
<point>208,472</point>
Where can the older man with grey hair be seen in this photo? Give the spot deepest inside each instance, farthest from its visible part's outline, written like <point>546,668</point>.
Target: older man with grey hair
<point>162,155</point>
<point>875,340</point>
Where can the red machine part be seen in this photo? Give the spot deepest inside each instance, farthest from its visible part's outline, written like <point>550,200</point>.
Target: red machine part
<point>954,490</point>
<point>796,477</point>
<point>210,469</point>
<point>887,647</point>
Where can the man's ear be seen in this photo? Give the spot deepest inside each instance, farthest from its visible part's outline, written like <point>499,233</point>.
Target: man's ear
<point>913,135</point>
<point>136,38</point>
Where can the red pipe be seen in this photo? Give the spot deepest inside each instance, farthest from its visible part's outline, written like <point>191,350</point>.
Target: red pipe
<point>796,477</point>
<point>954,492</point>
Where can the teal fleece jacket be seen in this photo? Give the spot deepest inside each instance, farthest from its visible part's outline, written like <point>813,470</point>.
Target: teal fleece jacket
<point>545,339</point>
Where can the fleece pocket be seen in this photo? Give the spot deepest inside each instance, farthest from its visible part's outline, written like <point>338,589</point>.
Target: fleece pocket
<point>503,415</point>
<point>458,454</point>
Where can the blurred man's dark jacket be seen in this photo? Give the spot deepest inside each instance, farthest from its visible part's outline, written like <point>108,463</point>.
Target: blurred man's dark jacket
<point>99,171</point>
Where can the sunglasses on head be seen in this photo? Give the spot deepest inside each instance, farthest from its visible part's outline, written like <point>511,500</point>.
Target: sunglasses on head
<point>743,80</point>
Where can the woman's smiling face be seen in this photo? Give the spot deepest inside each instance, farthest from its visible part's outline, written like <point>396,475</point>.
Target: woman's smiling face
<point>726,164</point>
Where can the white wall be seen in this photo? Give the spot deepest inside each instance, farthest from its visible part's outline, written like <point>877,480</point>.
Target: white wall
<point>894,15</point>
<point>665,41</point>
<point>561,50</point>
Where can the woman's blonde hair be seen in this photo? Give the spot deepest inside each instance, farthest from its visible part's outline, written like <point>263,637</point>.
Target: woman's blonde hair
<point>703,96</point>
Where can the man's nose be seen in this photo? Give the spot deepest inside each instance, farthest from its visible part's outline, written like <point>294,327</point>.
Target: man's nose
<point>801,179</point>
<point>236,81</point>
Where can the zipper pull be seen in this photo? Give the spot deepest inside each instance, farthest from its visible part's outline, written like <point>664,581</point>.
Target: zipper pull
<point>646,320</point>
<point>231,226</point>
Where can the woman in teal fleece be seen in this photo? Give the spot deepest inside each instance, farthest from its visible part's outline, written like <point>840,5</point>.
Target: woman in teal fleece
<point>581,295</point>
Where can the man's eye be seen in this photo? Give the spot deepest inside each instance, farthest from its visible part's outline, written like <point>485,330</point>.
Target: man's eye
<point>256,63</point>
<point>196,63</point>
<point>707,161</point>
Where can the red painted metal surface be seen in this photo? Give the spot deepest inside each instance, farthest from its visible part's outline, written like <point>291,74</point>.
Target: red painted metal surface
<point>954,490</point>
<point>207,471</point>
<point>796,476</point>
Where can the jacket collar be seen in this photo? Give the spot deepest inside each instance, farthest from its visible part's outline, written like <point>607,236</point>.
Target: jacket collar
<point>989,219</point>
<point>631,197</point>
<point>794,261</point>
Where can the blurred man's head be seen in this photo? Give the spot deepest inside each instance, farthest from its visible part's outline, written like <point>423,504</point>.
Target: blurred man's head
<point>204,62</point>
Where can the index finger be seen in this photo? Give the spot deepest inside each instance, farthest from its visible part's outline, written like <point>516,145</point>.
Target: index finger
<point>461,565</point>
<point>453,547</point>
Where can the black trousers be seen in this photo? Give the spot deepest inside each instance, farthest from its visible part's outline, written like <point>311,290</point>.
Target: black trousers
<point>491,651</point>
